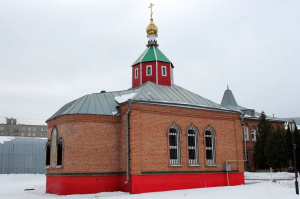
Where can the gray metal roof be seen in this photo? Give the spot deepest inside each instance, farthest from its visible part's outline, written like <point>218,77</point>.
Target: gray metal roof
<point>106,104</point>
<point>229,102</point>
<point>228,99</point>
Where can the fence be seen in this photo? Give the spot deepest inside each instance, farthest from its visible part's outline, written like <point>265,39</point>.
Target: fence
<point>23,155</point>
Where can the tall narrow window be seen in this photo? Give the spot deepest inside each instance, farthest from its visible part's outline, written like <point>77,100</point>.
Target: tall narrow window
<point>193,147</point>
<point>149,70</point>
<point>210,148</point>
<point>59,153</point>
<point>174,144</point>
<point>253,135</point>
<point>53,147</point>
<point>48,151</point>
<point>136,73</point>
<point>246,134</point>
<point>164,71</point>
<point>248,159</point>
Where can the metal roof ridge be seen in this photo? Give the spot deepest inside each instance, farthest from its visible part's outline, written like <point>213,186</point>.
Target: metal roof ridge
<point>155,54</point>
<point>141,57</point>
<point>140,89</point>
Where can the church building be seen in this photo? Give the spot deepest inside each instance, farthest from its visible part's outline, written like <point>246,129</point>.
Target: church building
<point>155,136</point>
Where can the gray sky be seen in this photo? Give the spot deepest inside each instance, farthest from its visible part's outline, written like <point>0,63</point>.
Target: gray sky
<point>52,52</point>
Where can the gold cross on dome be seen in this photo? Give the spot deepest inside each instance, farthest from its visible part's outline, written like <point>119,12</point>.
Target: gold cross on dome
<point>151,5</point>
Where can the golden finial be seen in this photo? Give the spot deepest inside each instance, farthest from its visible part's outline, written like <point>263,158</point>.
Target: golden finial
<point>151,29</point>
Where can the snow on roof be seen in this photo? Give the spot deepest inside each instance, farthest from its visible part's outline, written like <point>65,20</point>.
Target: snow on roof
<point>124,98</point>
<point>6,139</point>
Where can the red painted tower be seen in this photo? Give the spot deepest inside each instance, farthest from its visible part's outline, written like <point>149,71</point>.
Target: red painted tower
<point>152,65</point>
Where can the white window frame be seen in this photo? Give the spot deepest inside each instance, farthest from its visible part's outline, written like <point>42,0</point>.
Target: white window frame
<point>33,134</point>
<point>136,73</point>
<point>34,128</point>
<point>29,134</point>
<point>246,133</point>
<point>164,69</point>
<point>149,74</point>
<point>1,127</point>
<point>195,161</point>
<point>175,162</point>
<point>253,135</point>
<point>29,128</point>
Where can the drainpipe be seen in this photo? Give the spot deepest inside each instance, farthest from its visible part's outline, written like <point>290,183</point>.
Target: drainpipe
<point>127,140</point>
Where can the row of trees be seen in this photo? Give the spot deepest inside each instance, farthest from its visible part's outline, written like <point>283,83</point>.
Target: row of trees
<point>274,146</point>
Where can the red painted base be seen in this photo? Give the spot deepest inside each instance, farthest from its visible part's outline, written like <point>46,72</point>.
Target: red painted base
<point>66,185</point>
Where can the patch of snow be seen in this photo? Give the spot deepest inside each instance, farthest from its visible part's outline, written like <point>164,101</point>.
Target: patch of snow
<point>124,98</point>
<point>114,113</point>
<point>6,139</point>
<point>149,93</point>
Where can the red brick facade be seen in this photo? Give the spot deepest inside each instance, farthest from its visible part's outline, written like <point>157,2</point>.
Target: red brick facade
<point>95,148</point>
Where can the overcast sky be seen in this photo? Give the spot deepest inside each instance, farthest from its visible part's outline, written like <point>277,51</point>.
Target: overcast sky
<point>52,52</point>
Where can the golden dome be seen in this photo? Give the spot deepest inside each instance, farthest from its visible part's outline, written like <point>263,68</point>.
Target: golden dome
<point>152,28</point>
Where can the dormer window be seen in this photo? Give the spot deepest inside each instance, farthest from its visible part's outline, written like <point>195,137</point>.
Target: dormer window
<point>149,70</point>
<point>136,73</point>
<point>164,71</point>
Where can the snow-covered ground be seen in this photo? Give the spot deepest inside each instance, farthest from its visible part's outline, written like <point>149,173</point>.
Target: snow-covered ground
<point>258,186</point>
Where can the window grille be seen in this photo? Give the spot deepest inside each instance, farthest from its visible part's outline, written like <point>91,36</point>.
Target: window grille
<point>193,147</point>
<point>210,148</point>
<point>174,144</point>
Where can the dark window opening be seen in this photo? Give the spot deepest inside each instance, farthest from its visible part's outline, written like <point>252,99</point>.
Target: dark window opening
<point>173,140</point>
<point>191,141</point>
<point>192,154</point>
<point>173,153</point>
<point>59,154</point>
<point>174,144</point>
<point>209,155</point>
<point>208,141</point>
<point>193,147</point>
<point>210,148</point>
<point>48,150</point>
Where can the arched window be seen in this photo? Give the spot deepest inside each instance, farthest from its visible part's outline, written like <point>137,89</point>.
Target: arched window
<point>54,140</point>
<point>149,70</point>
<point>193,147</point>
<point>48,152</point>
<point>174,144</point>
<point>210,147</point>
<point>164,71</point>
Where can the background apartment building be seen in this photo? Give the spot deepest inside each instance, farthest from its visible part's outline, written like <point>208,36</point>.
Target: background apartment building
<point>11,128</point>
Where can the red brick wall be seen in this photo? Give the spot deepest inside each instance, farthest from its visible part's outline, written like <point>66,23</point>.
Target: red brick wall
<point>97,143</point>
<point>149,142</point>
<point>92,143</point>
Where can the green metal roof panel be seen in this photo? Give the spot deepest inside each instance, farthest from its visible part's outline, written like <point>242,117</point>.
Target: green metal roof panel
<point>140,57</point>
<point>152,53</point>
<point>161,56</point>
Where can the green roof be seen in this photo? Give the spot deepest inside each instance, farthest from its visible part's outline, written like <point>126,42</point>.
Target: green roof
<point>152,53</point>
